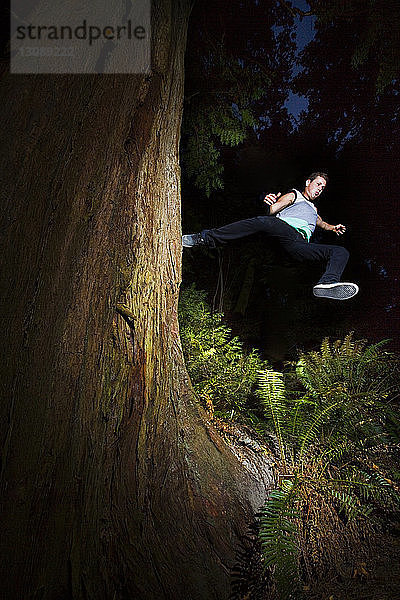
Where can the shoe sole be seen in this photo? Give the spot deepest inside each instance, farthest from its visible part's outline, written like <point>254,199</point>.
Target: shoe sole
<point>192,240</point>
<point>336,291</point>
<point>187,241</point>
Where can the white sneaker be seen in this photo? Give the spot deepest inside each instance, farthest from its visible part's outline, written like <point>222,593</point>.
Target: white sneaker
<point>336,291</point>
<point>193,239</point>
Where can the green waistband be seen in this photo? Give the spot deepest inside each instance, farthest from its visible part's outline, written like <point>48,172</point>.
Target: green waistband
<point>300,225</point>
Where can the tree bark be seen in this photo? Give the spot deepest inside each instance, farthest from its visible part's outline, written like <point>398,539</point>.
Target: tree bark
<point>115,484</point>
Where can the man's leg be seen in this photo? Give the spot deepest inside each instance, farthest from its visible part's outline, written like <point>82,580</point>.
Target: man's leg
<point>335,259</point>
<point>273,227</point>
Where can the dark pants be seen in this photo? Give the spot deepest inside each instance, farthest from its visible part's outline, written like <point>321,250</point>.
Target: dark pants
<point>291,241</point>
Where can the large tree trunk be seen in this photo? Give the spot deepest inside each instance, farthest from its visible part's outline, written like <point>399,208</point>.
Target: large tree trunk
<point>115,486</point>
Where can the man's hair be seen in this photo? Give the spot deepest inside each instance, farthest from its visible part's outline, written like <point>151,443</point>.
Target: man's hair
<point>318,174</point>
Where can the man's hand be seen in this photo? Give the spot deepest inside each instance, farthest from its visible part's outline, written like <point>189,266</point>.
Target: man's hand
<point>277,202</point>
<point>339,229</point>
<point>270,199</point>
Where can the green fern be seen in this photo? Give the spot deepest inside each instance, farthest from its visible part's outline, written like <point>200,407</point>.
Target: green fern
<point>331,436</point>
<point>350,505</point>
<point>272,395</point>
<point>311,430</point>
<point>279,540</point>
<point>327,439</point>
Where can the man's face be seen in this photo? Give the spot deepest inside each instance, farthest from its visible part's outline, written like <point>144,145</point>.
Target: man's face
<point>314,188</point>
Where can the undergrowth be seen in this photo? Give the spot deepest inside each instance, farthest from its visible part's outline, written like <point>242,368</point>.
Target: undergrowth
<point>336,425</point>
<point>333,423</point>
<point>223,374</point>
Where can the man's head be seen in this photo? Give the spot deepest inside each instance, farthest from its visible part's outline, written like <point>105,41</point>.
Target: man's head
<point>315,185</point>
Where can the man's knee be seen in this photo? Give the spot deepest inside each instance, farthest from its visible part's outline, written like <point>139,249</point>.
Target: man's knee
<point>341,253</point>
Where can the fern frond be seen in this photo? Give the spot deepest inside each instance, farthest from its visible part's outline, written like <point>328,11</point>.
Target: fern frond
<point>338,450</point>
<point>300,406</point>
<point>272,393</point>
<point>326,349</point>
<point>350,505</point>
<point>313,428</point>
<point>278,536</point>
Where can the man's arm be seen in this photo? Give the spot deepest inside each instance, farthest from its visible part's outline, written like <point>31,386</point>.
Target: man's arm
<point>338,229</point>
<point>276,202</point>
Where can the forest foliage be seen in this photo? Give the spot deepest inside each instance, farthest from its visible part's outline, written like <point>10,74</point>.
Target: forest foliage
<point>237,67</point>
<point>223,373</point>
<point>332,421</point>
<point>337,428</point>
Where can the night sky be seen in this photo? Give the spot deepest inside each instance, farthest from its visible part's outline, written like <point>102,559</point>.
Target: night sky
<point>304,34</point>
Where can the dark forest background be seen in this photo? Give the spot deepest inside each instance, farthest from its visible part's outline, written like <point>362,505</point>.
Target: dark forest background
<point>240,141</point>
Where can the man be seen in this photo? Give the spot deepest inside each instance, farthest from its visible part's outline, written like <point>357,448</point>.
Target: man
<point>291,221</point>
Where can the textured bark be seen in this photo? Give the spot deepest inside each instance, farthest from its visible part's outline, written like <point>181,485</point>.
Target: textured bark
<point>115,485</point>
